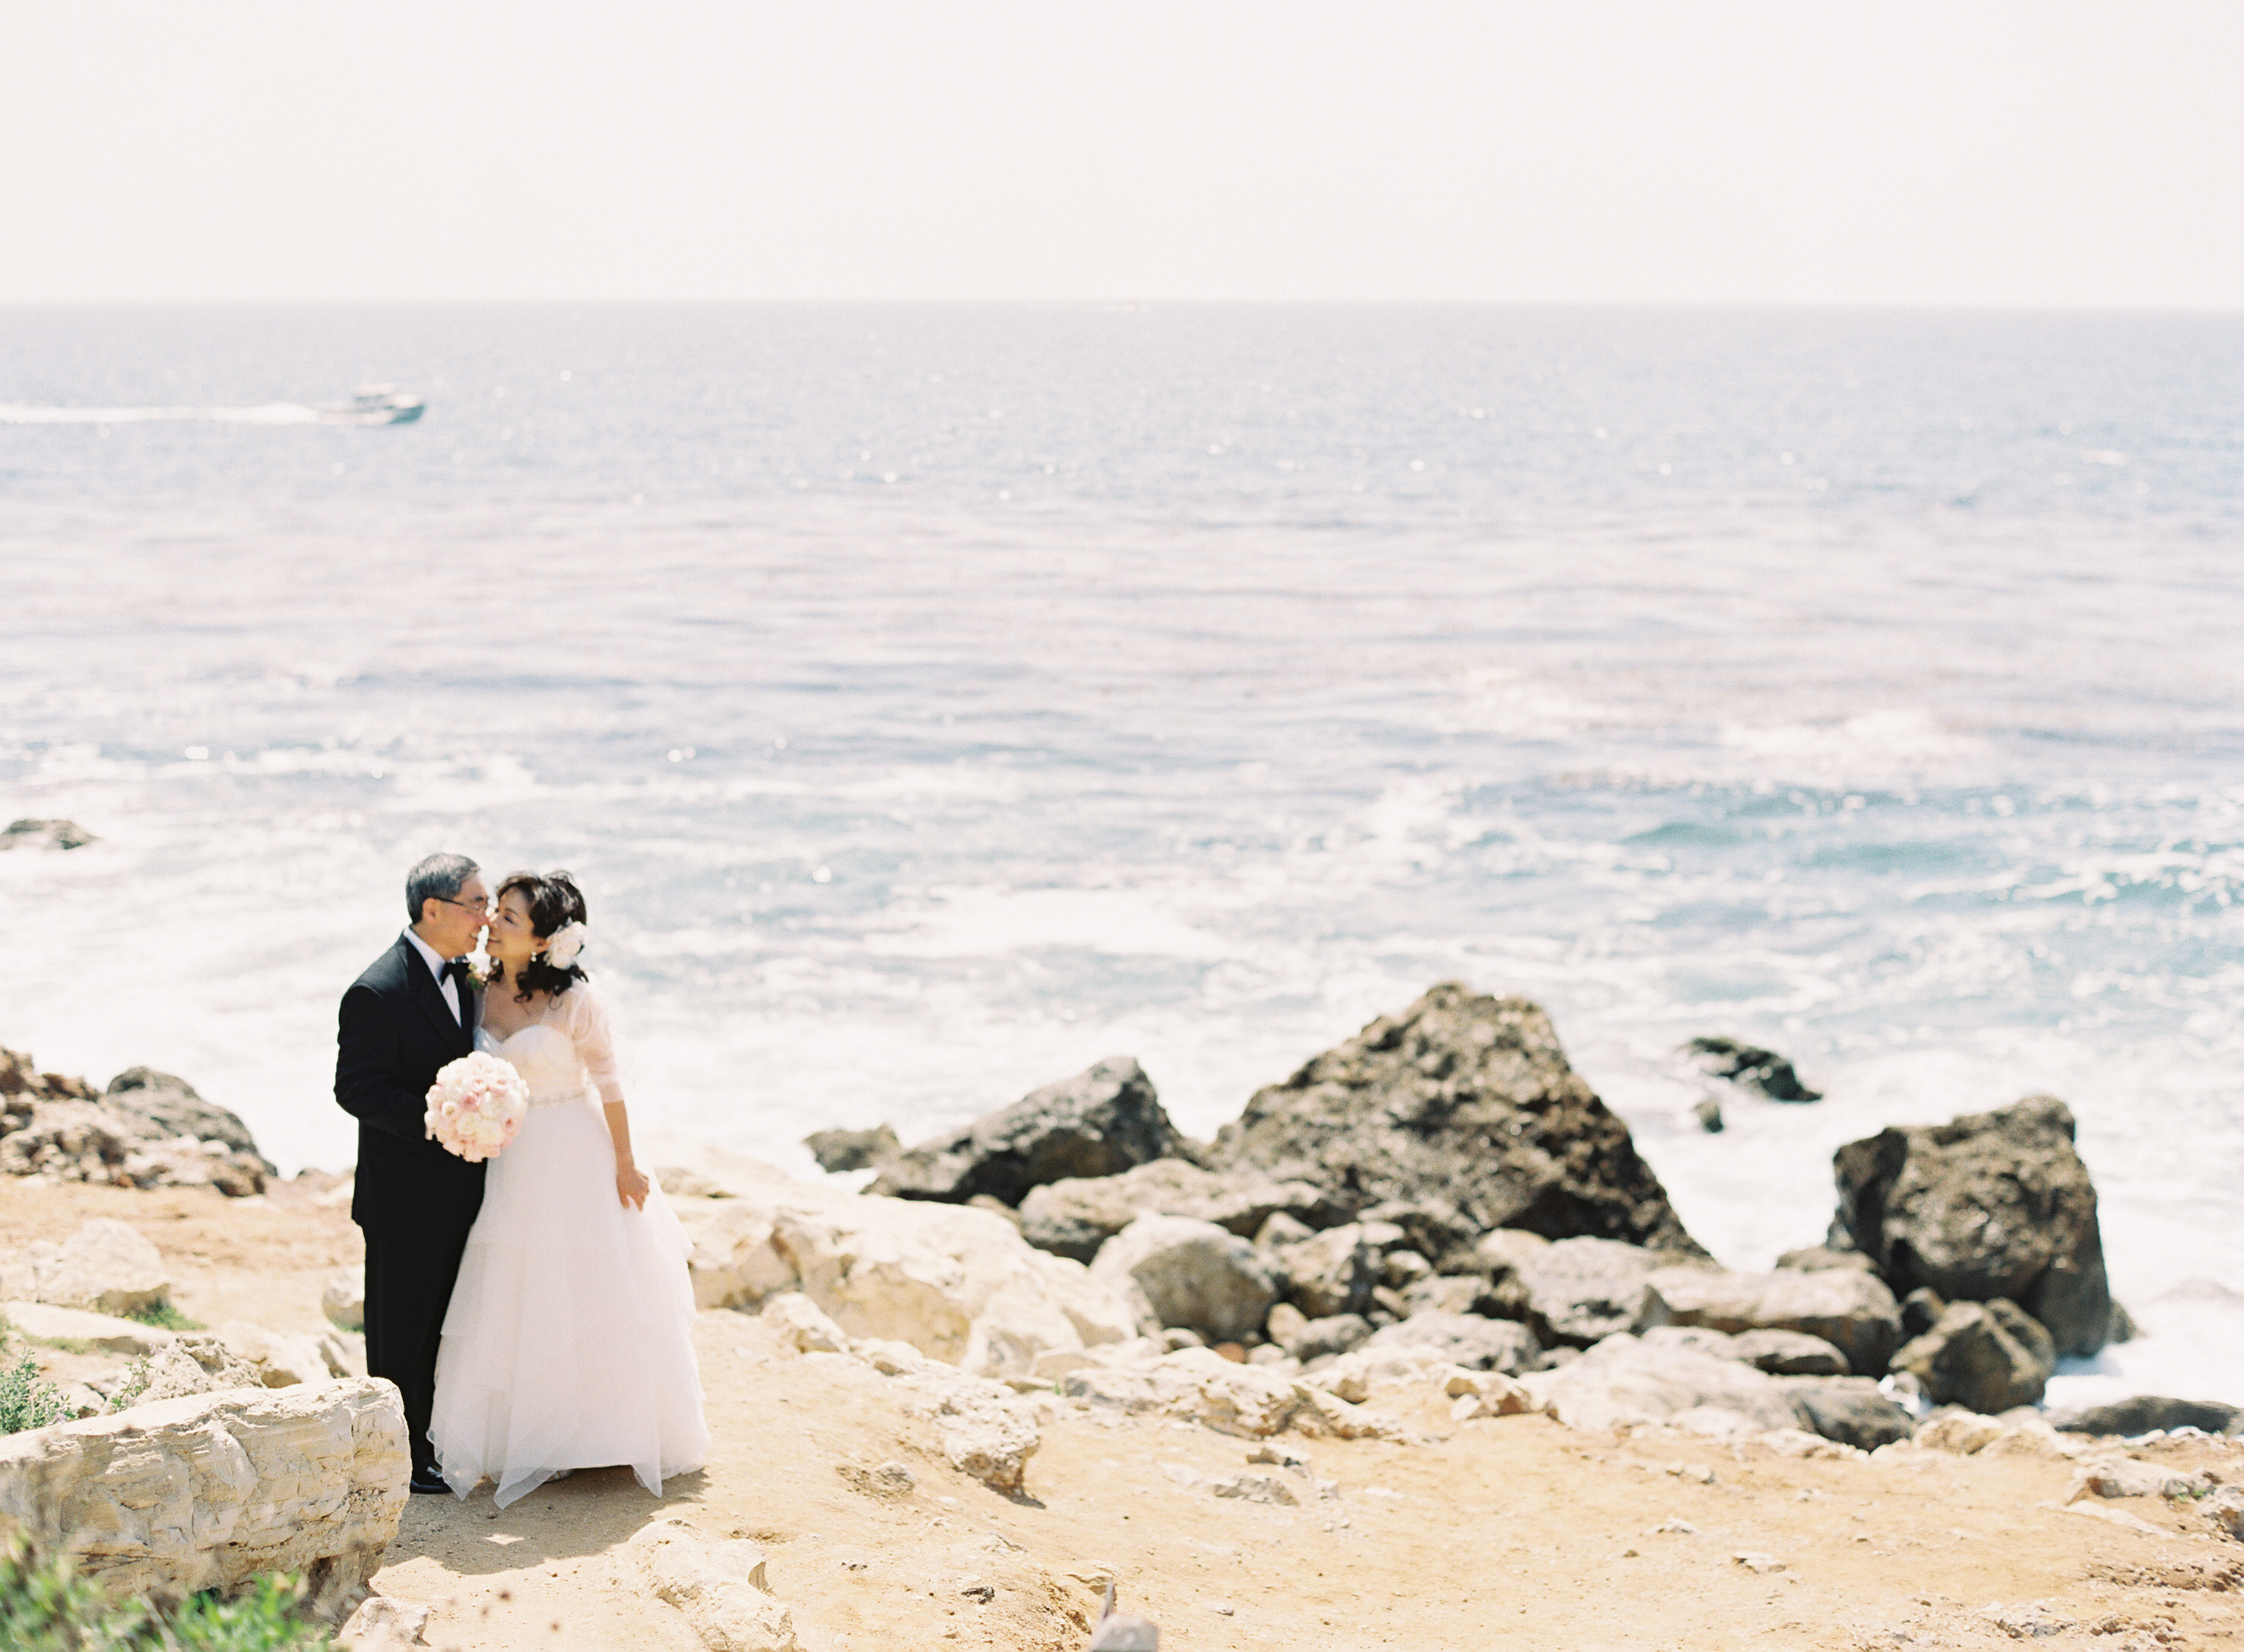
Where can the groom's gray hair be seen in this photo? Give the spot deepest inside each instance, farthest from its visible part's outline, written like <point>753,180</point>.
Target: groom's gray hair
<point>440,875</point>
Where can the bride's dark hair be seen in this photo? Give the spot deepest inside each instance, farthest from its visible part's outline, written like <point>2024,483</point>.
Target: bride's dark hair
<point>554,900</point>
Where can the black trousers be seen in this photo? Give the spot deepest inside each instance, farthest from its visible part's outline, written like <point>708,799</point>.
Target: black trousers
<point>408,1285</point>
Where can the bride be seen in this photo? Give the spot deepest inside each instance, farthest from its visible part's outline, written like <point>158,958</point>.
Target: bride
<point>568,1343</point>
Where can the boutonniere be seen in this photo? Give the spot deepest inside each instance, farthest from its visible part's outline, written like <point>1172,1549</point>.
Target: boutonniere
<point>478,970</point>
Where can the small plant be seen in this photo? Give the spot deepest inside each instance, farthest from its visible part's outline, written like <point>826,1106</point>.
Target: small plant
<point>136,1383</point>
<point>164,1317</point>
<point>26,1402</point>
<point>45,1606</point>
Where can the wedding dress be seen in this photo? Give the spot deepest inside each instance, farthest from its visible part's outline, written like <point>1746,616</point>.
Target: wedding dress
<point>569,1340</point>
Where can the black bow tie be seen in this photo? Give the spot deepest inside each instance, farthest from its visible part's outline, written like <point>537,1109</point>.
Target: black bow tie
<point>459,970</point>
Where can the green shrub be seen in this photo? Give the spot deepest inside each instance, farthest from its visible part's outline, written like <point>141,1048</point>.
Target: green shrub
<point>25,1402</point>
<point>136,1383</point>
<point>46,1607</point>
<point>164,1317</point>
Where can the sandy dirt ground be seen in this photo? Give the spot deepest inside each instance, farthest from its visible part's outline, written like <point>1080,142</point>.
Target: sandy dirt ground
<point>1502,1533</point>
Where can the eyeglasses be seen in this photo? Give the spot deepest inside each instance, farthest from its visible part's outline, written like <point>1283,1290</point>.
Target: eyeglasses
<point>466,906</point>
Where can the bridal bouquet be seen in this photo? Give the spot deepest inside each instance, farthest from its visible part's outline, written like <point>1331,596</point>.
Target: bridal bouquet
<point>475,1106</point>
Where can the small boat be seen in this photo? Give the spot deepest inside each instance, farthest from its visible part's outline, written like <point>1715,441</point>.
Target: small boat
<point>374,404</point>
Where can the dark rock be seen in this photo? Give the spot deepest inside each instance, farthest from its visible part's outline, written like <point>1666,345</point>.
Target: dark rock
<point>1991,1204</point>
<point>1461,1103</point>
<point>1581,1291</point>
<point>839,1150</point>
<point>1853,1413</point>
<point>1790,1353</point>
<point>1750,1067</point>
<point>1921,1311</point>
<point>46,833</point>
<point>1460,1294</point>
<point>1098,1123</point>
<point>171,1108</point>
<point>2142,1413</point>
<point>1708,1112</point>
<point>1822,1258</point>
<point>1464,1339</point>
<point>1988,1356</point>
<point>1074,1216</point>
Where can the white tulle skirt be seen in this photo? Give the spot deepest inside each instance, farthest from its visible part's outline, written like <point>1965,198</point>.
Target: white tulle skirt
<point>569,1340</point>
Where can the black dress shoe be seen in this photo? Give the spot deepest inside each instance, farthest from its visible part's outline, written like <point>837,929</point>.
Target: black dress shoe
<point>427,1480</point>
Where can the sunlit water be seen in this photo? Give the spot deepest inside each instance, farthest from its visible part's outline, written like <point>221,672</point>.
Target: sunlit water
<point>934,701</point>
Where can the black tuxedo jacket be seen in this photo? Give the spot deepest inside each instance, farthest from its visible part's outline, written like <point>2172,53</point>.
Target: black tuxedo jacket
<point>392,1034</point>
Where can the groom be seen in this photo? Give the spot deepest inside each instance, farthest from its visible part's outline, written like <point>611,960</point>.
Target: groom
<point>414,1010</point>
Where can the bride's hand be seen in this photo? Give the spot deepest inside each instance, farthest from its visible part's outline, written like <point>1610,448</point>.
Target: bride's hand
<point>632,1186</point>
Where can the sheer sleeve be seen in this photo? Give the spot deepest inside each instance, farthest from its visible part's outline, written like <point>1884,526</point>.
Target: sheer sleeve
<point>585,1021</point>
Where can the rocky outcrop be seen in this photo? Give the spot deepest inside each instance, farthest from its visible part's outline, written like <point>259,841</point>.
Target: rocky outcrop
<point>1750,1067</point>
<point>960,1285</point>
<point>2142,1413</point>
<point>209,1492</point>
<point>1190,1274</point>
<point>1075,1216</point>
<point>1988,1357</point>
<point>1098,1123</point>
<point>104,1333</point>
<point>1333,1272</point>
<point>105,1266</point>
<point>1462,1109</point>
<point>149,1129</point>
<point>1851,1310</point>
<point>1989,1205</point>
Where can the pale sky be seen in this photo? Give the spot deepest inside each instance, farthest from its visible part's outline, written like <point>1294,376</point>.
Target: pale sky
<point>1802,152</point>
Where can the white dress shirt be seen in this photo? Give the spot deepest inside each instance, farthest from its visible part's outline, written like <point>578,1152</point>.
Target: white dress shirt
<point>445,984</point>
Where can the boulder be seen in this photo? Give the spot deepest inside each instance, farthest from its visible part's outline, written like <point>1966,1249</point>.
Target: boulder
<point>105,1266</point>
<point>384,1623</point>
<point>1098,1123</point>
<point>172,1108</point>
<point>1474,1394</point>
<point>1991,1204</point>
<point>1462,1294</point>
<point>46,833</point>
<point>719,1587</point>
<point>1462,1339</point>
<point>840,1150</point>
<point>211,1491</point>
<point>343,1300</point>
<point>1790,1353</point>
<point>1074,1216</point>
<point>1852,1411</point>
<point>983,1430</point>
<point>1314,1338</point>
<point>42,1322</point>
<point>1580,1291</point>
<point>1750,1067</point>
<point>1626,1380</point>
<point>1333,1272</point>
<point>960,1285</point>
<point>2144,1413</point>
<point>1988,1357</point>
<point>1465,1105</point>
<point>1192,1273</point>
<point>1851,1310</point>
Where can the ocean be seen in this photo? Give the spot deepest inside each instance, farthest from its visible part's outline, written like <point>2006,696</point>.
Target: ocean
<point>935,700</point>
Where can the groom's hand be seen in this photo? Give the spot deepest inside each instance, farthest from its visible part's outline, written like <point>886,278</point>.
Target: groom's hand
<point>632,1186</point>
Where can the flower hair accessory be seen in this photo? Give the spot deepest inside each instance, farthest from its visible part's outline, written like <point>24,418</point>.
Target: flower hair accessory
<point>567,941</point>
